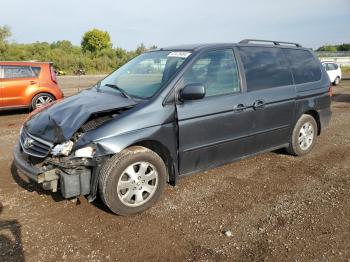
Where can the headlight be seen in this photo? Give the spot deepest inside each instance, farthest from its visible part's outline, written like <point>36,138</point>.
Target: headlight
<point>62,149</point>
<point>87,151</point>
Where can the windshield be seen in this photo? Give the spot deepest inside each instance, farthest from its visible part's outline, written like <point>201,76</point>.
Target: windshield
<point>143,76</point>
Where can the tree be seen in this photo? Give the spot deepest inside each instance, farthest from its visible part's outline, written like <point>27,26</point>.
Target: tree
<point>5,32</point>
<point>140,49</point>
<point>328,48</point>
<point>344,47</point>
<point>95,40</point>
<point>63,44</point>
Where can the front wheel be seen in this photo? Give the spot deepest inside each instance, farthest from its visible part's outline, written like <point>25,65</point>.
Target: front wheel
<point>304,136</point>
<point>132,181</point>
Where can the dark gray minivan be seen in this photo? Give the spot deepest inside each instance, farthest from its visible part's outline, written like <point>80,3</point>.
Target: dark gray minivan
<point>172,112</point>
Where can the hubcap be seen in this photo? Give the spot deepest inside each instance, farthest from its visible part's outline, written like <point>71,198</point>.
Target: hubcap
<point>306,136</point>
<point>137,184</point>
<point>42,100</point>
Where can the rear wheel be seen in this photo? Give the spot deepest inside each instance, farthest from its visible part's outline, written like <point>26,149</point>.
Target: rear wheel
<point>336,81</point>
<point>41,99</point>
<point>304,136</point>
<point>132,181</point>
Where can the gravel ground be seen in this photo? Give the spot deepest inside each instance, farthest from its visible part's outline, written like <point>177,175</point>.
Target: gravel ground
<point>272,207</point>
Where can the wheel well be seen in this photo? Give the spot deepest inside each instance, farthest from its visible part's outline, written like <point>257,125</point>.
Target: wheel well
<point>164,153</point>
<point>316,116</point>
<point>43,93</point>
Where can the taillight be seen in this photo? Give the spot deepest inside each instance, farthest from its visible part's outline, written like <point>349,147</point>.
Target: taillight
<point>330,91</point>
<point>53,74</point>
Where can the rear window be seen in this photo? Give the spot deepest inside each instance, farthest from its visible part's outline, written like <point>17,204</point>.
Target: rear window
<point>331,66</point>
<point>18,72</point>
<point>305,67</point>
<point>265,67</point>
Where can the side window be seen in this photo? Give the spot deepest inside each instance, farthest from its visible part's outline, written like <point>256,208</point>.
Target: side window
<point>17,72</point>
<point>36,70</point>
<point>265,67</point>
<point>305,67</point>
<point>217,71</point>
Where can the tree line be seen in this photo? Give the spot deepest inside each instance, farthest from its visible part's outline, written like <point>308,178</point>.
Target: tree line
<point>335,48</point>
<point>96,53</point>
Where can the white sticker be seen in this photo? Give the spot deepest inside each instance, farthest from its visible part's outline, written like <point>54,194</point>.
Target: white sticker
<point>179,54</point>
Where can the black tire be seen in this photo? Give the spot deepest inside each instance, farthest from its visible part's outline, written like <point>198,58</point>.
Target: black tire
<point>294,147</point>
<point>114,168</point>
<point>34,104</point>
<point>336,81</point>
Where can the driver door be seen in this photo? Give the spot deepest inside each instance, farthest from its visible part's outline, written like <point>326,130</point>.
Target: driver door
<point>217,128</point>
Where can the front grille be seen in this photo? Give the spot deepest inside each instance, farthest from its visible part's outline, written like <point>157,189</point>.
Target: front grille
<point>34,146</point>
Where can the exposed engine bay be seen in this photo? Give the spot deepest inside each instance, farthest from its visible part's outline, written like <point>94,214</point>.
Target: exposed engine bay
<point>65,167</point>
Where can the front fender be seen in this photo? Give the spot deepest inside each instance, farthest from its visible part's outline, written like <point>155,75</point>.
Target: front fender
<point>164,134</point>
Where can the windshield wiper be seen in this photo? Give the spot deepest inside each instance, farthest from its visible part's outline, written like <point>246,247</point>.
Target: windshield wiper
<point>121,90</point>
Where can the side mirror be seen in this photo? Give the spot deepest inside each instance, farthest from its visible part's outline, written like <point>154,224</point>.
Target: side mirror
<point>192,92</point>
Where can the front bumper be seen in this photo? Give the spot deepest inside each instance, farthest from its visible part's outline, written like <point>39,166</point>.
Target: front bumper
<point>21,163</point>
<point>70,182</point>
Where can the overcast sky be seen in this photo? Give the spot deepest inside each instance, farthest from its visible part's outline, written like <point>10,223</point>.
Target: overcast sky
<point>163,23</point>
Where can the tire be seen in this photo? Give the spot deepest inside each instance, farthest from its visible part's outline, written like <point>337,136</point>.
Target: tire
<point>41,99</point>
<point>124,182</point>
<point>300,143</point>
<point>336,81</point>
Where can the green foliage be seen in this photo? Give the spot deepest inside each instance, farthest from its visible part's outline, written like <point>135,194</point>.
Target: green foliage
<point>345,70</point>
<point>66,56</point>
<point>95,40</point>
<point>334,48</point>
<point>5,32</point>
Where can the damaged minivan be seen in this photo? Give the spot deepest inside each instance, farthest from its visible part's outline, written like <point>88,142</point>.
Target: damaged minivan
<point>175,111</point>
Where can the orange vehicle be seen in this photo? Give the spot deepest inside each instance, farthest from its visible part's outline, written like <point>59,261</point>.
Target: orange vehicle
<point>27,84</point>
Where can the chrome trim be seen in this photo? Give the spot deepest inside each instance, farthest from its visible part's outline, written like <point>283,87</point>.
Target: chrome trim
<point>24,133</point>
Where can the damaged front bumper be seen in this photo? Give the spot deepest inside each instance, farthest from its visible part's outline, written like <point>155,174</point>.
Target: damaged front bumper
<point>71,177</point>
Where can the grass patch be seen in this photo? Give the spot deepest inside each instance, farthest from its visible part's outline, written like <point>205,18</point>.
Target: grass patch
<point>345,69</point>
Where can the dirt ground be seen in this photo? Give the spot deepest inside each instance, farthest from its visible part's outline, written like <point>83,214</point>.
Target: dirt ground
<point>277,207</point>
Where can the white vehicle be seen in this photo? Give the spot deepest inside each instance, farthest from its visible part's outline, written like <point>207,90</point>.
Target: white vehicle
<point>333,71</point>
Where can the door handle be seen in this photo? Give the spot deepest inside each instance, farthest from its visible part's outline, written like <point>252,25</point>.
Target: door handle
<point>239,108</point>
<point>258,104</point>
<point>33,82</point>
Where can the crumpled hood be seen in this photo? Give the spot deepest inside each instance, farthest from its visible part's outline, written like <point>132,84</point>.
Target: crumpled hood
<point>60,121</point>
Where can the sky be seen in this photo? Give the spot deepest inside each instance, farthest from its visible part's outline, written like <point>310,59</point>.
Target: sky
<point>164,23</point>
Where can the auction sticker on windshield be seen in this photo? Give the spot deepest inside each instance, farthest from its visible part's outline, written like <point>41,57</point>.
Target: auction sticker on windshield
<point>179,54</point>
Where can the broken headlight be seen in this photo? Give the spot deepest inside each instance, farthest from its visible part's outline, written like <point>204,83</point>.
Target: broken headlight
<point>63,149</point>
<point>87,151</point>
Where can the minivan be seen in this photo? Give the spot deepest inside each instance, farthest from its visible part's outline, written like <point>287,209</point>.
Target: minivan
<point>172,112</point>
<point>27,85</point>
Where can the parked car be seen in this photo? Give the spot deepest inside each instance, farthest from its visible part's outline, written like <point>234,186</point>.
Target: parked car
<point>333,71</point>
<point>27,85</point>
<point>200,106</point>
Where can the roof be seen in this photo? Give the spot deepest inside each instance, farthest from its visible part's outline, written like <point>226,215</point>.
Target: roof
<point>27,63</point>
<point>195,47</point>
<point>250,42</point>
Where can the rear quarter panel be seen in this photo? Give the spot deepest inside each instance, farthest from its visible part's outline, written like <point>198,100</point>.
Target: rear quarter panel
<point>314,96</point>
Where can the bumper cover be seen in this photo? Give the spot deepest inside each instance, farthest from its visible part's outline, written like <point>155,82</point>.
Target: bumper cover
<point>71,185</point>
<point>26,168</point>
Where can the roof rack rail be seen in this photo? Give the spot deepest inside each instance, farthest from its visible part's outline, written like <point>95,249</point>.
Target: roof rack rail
<point>246,41</point>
